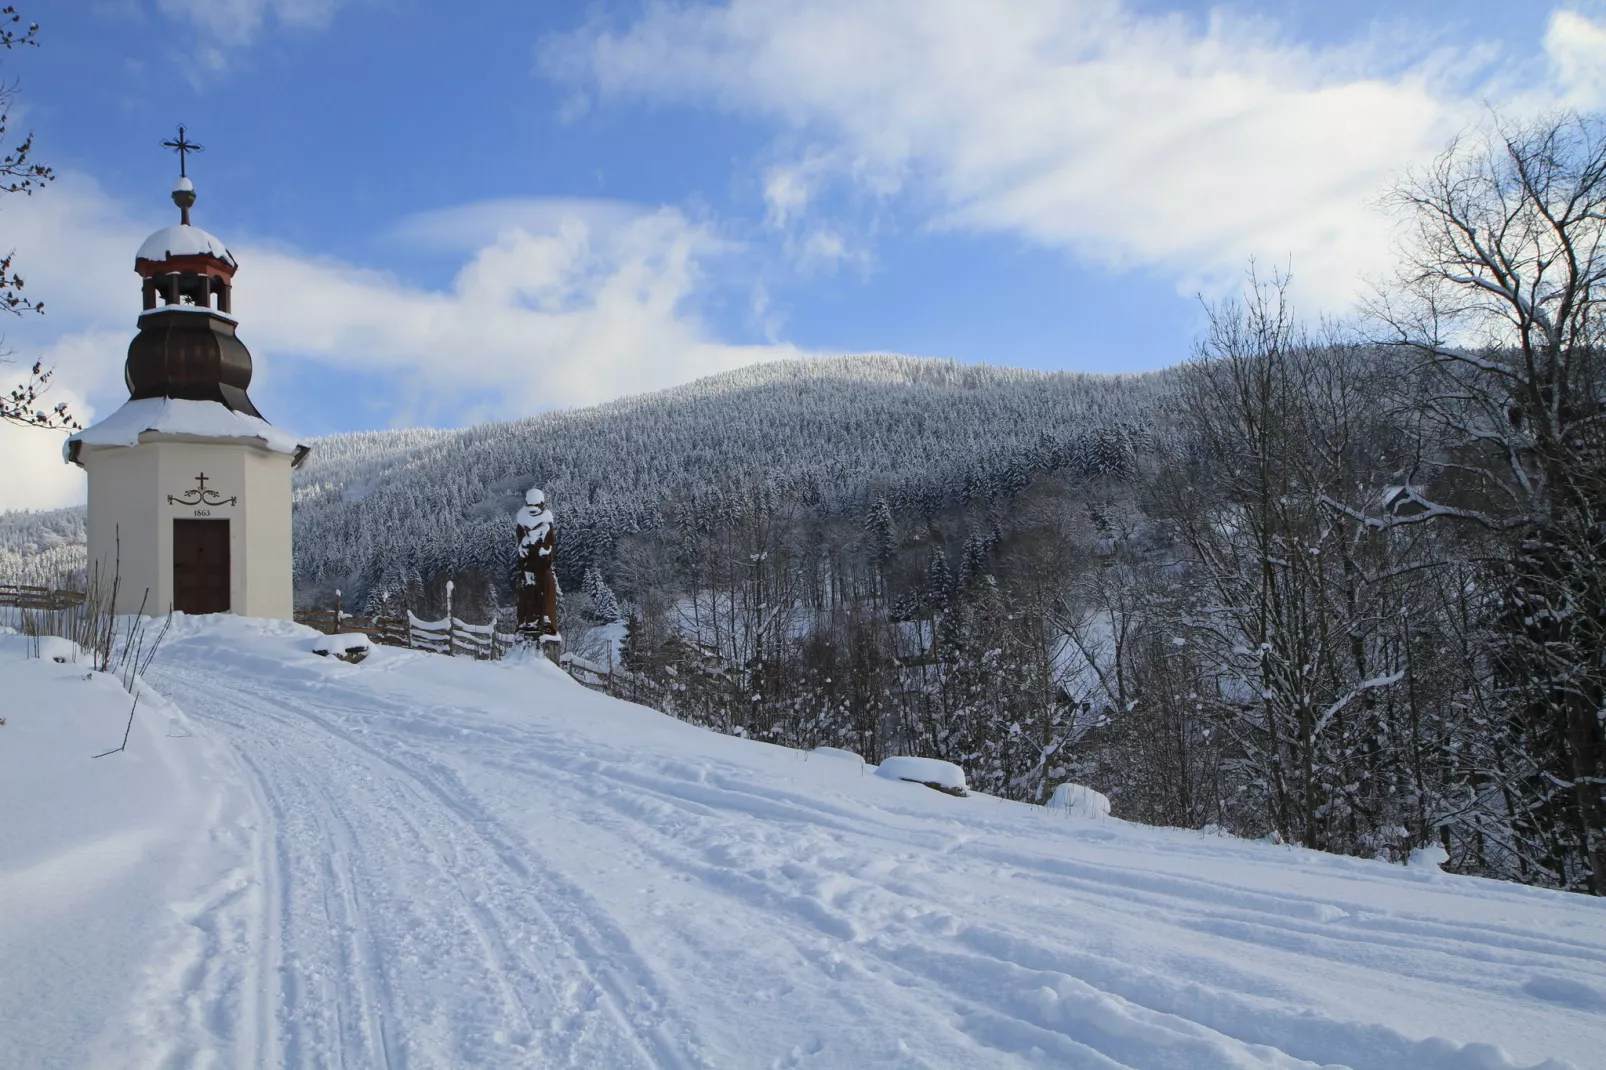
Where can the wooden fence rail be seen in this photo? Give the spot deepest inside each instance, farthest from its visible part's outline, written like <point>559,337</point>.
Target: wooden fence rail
<point>24,596</point>
<point>446,636</point>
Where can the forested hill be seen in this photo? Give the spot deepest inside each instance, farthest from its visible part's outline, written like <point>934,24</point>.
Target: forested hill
<point>375,509</point>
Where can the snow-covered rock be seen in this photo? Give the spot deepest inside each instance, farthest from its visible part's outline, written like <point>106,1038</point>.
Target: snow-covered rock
<point>933,773</point>
<point>349,647</point>
<point>1079,800</point>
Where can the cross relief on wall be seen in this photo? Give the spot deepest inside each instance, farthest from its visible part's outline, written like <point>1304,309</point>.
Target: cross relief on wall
<point>200,494</point>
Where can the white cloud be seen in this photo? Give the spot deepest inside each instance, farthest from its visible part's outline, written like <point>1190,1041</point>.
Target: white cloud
<point>1576,46</point>
<point>232,23</point>
<point>810,242</point>
<point>564,303</point>
<point>569,317</point>
<point>786,193</point>
<point>35,475</point>
<point>1131,139</point>
<point>465,228</point>
<point>36,478</point>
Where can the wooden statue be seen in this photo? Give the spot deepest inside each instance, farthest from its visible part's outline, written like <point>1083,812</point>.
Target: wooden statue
<point>538,586</point>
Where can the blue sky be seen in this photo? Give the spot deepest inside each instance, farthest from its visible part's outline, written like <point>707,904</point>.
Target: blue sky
<point>445,215</point>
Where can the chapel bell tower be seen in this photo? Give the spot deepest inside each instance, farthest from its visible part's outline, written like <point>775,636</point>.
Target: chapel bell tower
<point>189,487</point>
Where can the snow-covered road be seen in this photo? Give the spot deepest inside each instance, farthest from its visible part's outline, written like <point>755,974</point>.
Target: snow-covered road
<point>424,862</point>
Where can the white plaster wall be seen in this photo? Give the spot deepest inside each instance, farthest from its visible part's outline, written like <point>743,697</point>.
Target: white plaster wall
<point>129,487</point>
<point>269,588</point>
<point>126,528</point>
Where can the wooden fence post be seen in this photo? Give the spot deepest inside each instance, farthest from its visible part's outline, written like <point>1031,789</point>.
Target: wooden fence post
<point>451,629</point>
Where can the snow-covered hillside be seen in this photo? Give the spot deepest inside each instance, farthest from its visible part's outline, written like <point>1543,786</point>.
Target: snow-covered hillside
<point>372,509</point>
<point>44,547</point>
<point>426,862</point>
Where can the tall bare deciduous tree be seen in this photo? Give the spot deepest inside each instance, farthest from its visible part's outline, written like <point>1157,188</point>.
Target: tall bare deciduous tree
<point>1290,599</point>
<point>1502,299</point>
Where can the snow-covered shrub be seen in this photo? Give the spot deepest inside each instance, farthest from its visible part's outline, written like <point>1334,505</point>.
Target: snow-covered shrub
<point>1078,800</point>
<point>1428,859</point>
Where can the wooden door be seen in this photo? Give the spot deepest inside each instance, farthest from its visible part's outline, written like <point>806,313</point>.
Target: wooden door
<point>201,566</point>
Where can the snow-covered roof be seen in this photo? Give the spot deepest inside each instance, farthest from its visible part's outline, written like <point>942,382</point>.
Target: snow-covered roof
<point>183,185</point>
<point>177,416</point>
<point>184,240</point>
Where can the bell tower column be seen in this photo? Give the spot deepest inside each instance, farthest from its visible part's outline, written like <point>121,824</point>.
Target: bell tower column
<point>189,487</point>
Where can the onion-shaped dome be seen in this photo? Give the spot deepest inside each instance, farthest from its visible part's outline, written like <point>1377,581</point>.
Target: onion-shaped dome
<point>183,240</point>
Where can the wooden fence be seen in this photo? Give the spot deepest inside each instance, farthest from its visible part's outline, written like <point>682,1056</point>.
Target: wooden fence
<point>593,675</point>
<point>447,636</point>
<point>23,596</point>
<point>450,635</point>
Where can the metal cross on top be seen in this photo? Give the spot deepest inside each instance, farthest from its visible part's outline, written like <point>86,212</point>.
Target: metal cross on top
<point>183,146</point>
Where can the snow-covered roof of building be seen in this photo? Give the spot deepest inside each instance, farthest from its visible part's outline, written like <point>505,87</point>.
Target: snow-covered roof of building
<point>177,416</point>
<point>184,240</point>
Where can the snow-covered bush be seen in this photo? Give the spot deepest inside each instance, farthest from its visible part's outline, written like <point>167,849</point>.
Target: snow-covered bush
<point>1428,859</point>
<point>1079,800</point>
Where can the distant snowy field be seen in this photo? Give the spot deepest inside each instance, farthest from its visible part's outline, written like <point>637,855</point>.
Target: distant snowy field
<point>423,862</point>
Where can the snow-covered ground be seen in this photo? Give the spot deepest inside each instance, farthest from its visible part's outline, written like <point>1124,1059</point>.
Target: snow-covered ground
<point>422,862</point>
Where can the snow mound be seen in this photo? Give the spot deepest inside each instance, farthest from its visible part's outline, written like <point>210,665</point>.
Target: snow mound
<point>177,416</point>
<point>1566,990</point>
<point>1428,859</point>
<point>183,240</point>
<point>1079,800</point>
<point>944,776</point>
<point>55,648</point>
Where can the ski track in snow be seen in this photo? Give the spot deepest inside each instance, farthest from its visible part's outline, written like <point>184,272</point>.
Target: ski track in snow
<point>404,912</point>
<point>476,865</point>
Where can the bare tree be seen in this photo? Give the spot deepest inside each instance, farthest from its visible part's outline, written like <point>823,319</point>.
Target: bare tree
<point>1290,591</point>
<point>20,173</point>
<point>1501,299</point>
